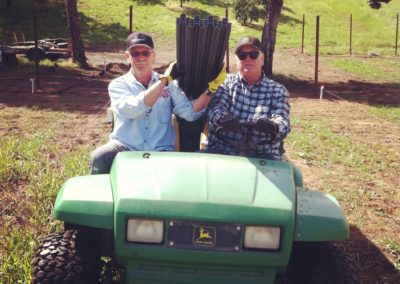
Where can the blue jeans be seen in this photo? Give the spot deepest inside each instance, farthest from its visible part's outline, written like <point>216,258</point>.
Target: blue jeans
<point>102,158</point>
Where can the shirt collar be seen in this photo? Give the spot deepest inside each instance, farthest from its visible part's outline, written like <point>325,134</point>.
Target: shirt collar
<point>264,79</point>
<point>132,80</point>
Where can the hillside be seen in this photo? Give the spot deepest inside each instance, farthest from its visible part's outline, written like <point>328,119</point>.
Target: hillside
<point>105,22</point>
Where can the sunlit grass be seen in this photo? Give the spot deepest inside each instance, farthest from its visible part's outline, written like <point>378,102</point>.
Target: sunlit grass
<point>394,249</point>
<point>390,113</point>
<point>64,65</point>
<point>31,162</point>
<point>373,69</point>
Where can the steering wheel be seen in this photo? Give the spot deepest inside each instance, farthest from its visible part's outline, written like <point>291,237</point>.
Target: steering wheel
<point>248,142</point>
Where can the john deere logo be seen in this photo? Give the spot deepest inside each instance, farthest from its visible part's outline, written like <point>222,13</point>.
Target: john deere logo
<point>204,236</point>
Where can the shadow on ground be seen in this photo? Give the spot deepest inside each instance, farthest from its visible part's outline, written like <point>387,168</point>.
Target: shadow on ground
<point>63,90</point>
<point>387,94</point>
<point>368,257</point>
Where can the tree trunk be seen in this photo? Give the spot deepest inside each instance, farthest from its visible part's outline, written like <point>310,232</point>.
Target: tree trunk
<point>77,47</point>
<point>273,10</point>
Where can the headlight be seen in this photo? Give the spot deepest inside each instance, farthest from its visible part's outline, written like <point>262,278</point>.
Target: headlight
<point>257,237</point>
<point>145,231</point>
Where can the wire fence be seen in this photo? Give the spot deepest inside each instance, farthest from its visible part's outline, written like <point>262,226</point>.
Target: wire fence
<point>347,33</point>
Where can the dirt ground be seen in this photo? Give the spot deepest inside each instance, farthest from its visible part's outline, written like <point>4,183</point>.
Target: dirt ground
<point>85,95</point>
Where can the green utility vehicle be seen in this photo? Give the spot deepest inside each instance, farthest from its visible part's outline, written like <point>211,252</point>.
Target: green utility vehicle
<point>179,217</point>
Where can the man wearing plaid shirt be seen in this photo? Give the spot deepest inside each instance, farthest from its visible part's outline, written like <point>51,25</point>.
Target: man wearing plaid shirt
<point>249,96</point>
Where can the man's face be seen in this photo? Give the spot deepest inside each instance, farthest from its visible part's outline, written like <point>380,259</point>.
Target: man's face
<point>247,65</point>
<point>141,58</point>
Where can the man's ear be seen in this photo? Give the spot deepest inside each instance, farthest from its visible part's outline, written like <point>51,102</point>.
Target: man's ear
<point>127,57</point>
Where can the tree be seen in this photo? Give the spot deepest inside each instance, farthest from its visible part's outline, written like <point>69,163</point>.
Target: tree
<point>78,49</point>
<point>376,4</point>
<point>247,11</point>
<point>272,12</point>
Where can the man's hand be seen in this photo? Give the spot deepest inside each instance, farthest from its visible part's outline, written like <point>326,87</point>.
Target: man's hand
<point>172,72</point>
<point>229,122</point>
<point>267,126</point>
<point>214,84</point>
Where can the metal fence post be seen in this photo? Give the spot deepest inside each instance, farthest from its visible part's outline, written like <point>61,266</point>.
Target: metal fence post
<point>36,53</point>
<point>130,18</point>
<point>227,48</point>
<point>316,50</point>
<point>302,34</point>
<point>351,33</point>
<point>397,33</point>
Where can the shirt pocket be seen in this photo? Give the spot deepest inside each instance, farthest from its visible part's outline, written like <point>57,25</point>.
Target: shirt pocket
<point>164,110</point>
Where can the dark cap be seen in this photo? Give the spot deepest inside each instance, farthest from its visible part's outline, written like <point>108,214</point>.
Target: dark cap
<point>139,39</point>
<point>248,40</point>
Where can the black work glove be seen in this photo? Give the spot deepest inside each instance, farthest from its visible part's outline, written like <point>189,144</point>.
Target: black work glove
<point>172,72</point>
<point>229,122</point>
<point>267,126</point>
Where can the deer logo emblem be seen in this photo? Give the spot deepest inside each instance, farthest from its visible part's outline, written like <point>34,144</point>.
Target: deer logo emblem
<point>204,236</point>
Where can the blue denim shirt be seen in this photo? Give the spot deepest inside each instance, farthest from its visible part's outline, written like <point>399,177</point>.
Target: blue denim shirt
<point>147,128</point>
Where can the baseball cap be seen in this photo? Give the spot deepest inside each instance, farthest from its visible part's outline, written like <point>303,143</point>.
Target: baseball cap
<point>248,40</point>
<point>139,39</point>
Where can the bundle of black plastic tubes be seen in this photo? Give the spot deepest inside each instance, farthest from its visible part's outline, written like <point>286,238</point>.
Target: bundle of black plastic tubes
<point>200,49</point>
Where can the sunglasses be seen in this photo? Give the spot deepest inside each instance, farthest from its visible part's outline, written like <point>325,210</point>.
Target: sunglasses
<point>136,54</point>
<point>242,55</point>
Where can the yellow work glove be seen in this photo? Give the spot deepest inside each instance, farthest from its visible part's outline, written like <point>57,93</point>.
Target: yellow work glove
<point>214,84</point>
<point>172,72</point>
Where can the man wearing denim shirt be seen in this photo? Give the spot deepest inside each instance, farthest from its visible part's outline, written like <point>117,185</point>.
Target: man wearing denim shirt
<point>143,102</point>
<point>249,96</point>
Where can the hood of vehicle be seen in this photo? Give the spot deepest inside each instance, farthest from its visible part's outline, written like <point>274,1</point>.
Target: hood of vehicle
<point>148,181</point>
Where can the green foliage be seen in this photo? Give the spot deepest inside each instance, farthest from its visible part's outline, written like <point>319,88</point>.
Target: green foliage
<point>247,11</point>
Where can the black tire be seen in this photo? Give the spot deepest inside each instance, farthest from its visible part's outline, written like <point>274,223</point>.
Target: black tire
<point>319,263</point>
<point>34,53</point>
<point>70,257</point>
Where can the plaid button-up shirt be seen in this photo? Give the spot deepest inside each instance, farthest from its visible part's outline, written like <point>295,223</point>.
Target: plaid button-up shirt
<point>265,99</point>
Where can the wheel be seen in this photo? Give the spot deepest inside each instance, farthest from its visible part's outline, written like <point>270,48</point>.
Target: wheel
<point>70,257</point>
<point>34,53</point>
<point>319,263</point>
